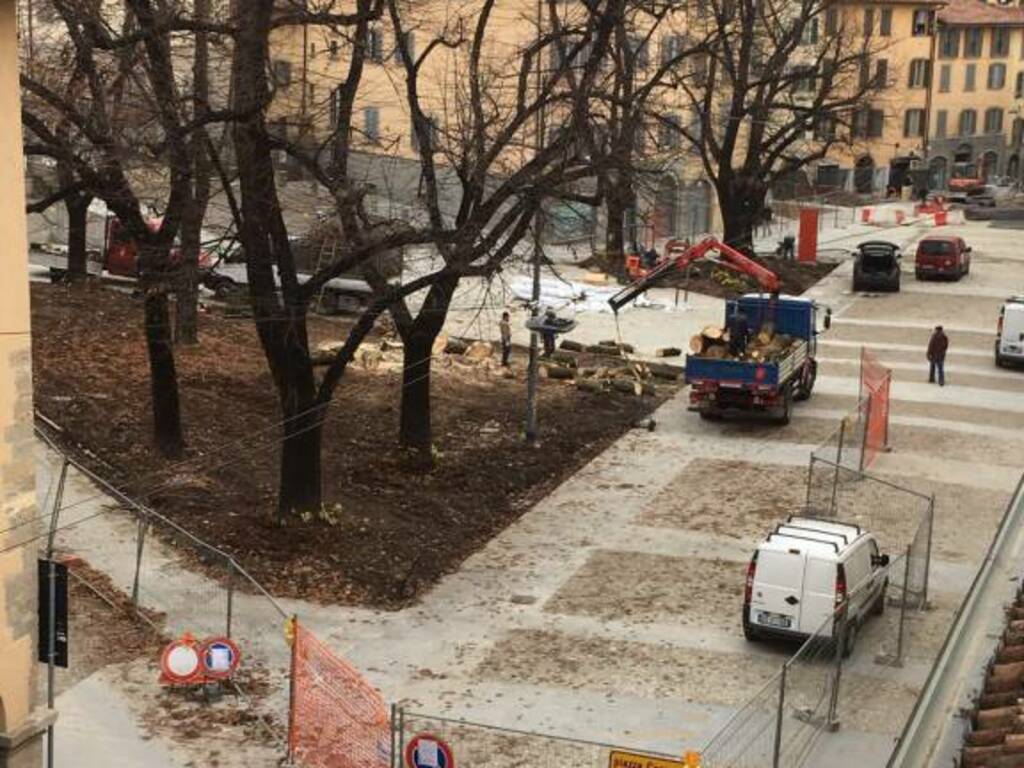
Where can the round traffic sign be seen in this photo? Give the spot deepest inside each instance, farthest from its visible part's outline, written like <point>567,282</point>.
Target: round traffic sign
<point>180,662</point>
<point>220,657</point>
<point>427,751</point>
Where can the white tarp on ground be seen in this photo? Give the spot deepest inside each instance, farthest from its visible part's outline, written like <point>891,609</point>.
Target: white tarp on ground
<point>579,297</point>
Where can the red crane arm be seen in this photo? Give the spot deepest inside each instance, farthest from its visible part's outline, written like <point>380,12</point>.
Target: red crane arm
<point>675,260</point>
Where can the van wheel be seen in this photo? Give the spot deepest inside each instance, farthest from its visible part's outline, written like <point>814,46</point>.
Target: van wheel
<point>850,639</point>
<point>750,633</point>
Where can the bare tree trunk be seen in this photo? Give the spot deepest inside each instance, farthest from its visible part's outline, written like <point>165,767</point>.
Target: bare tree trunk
<point>414,432</point>
<point>78,219</point>
<point>741,199</point>
<point>167,431</point>
<point>301,475</point>
<point>187,317</point>
<point>614,240</point>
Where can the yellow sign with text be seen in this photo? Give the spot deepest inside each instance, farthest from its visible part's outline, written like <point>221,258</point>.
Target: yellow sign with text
<point>634,760</point>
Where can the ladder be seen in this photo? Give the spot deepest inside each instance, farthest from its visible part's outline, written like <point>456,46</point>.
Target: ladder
<point>326,255</point>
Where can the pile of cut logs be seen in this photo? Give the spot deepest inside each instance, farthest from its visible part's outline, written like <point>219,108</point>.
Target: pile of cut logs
<point>997,737</point>
<point>764,346</point>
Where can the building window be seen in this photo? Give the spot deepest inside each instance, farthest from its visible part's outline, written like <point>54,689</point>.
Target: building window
<point>968,122</point>
<point>1000,42</point>
<point>876,123</point>
<point>333,49</point>
<point>668,135</point>
<point>671,47</point>
<point>944,76</point>
<point>371,124</point>
<point>882,73</point>
<point>375,46</point>
<point>864,79</point>
<point>825,128</point>
<point>885,22</point>
<point>1018,91</point>
<point>922,25</point>
<point>993,120</point>
<point>312,50</point>
<point>282,72</point>
<point>969,77</point>
<point>1017,135</point>
<point>809,36</point>
<point>996,77</point>
<point>804,80</point>
<point>949,43</point>
<point>640,50</point>
<point>913,123</point>
<point>972,42</point>
<point>919,73</point>
<point>431,134</point>
<point>332,116</point>
<point>869,21</point>
<point>831,20</point>
<point>940,124</point>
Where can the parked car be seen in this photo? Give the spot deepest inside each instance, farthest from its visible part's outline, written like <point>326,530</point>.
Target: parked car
<point>942,256</point>
<point>1010,332</point>
<point>876,266</point>
<point>810,571</point>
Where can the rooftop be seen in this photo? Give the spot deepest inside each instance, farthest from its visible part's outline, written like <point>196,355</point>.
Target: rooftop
<point>976,13</point>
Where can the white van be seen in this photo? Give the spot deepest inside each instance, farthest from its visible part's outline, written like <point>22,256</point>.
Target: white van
<point>806,571</point>
<point>1010,333</point>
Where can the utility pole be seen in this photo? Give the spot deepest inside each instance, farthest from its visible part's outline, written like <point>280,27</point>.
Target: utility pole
<point>533,370</point>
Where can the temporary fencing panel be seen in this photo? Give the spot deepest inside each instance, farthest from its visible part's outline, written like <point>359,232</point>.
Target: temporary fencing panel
<point>875,380</point>
<point>338,720</point>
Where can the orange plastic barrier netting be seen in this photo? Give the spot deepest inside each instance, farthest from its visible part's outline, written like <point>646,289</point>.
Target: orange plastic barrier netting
<point>338,720</point>
<point>874,387</point>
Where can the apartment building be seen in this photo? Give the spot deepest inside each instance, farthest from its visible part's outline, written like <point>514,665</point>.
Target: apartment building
<point>951,79</point>
<point>309,65</point>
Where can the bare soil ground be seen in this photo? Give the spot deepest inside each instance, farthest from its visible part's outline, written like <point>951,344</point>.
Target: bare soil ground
<point>397,532</point>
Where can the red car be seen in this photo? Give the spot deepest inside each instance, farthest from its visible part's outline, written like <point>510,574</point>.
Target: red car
<point>942,256</point>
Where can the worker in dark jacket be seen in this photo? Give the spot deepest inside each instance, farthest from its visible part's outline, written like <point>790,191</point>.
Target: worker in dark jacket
<point>937,346</point>
<point>739,333</point>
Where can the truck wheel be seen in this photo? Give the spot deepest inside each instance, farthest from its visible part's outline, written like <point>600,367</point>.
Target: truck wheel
<point>807,381</point>
<point>711,414</point>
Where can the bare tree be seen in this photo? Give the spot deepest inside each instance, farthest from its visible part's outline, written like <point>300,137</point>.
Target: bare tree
<point>125,129</point>
<point>781,85</point>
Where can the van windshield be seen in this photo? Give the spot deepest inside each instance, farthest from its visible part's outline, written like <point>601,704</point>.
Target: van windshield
<point>936,248</point>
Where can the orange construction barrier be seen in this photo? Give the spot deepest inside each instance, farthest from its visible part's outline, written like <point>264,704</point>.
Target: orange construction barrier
<point>875,381</point>
<point>337,719</point>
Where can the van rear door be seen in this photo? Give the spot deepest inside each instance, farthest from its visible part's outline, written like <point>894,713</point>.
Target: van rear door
<point>775,600</point>
<point>819,599</point>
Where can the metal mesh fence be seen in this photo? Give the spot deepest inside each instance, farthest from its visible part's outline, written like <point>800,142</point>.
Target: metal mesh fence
<point>749,737</point>
<point>136,559</point>
<point>475,744</point>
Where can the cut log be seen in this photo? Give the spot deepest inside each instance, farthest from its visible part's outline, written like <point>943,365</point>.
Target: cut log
<point>995,700</point>
<point>1010,653</point>
<point>978,757</point>
<point>1002,684</point>
<point>669,351</point>
<point>572,346</point>
<point>986,738</point>
<point>1014,743</point>
<point>713,333</point>
<point>455,346</point>
<point>595,278</point>
<point>566,358</point>
<point>716,353</point>
<point>559,372</point>
<point>649,390</point>
<point>628,386</point>
<point>666,371</point>
<point>601,349</point>
<point>697,344</point>
<point>590,385</point>
<point>1001,717</point>
<point>479,350</point>
<point>1013,669</point>
<point>617,345</point>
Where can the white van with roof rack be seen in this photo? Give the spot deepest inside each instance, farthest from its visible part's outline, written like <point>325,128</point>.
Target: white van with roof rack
<point>808,570</point>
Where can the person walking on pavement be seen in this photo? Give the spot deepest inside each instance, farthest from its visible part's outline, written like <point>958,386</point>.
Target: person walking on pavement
<point>937,346</point>
<point>506,338</point>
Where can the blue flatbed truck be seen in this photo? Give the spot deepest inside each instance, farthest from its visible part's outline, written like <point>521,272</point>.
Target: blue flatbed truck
<point>719,387</point>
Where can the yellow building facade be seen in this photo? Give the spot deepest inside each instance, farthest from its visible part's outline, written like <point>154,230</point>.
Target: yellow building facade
<point>21,722</point>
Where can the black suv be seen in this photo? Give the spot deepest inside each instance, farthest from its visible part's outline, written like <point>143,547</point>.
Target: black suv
<point>876,266</point>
